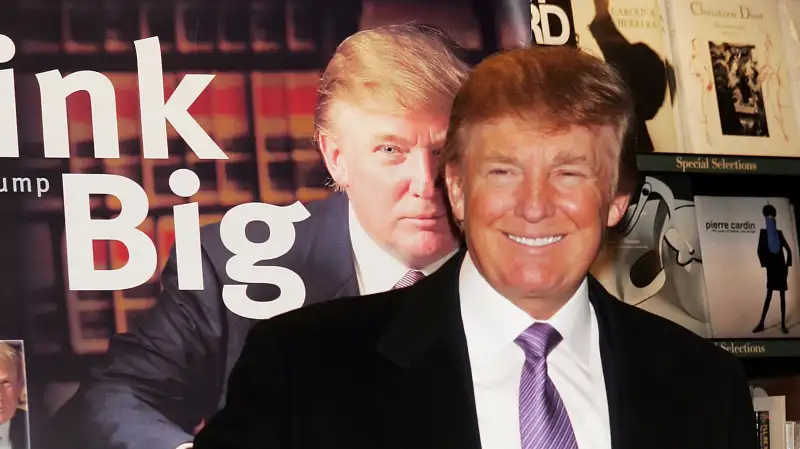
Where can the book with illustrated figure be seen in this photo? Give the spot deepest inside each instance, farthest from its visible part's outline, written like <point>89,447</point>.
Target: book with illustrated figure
<point>749,248</point>
<point>653,258</point>
<point>732,77</point>
<point>631,35</point>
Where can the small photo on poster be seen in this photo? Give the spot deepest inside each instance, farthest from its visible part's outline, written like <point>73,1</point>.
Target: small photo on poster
<point>14,426</point>
<point>740,97</point>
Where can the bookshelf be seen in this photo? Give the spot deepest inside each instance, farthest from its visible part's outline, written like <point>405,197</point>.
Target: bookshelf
<point>764,359</point>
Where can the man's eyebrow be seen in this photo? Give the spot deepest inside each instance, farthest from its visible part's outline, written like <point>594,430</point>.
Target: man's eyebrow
<point>567,158</point>
<point>500,157</point>
<point>392,138</point>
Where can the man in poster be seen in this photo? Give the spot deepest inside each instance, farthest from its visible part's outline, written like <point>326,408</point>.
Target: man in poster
<point>381,119</point>
<point>13,419</point>
<point>511,344</point>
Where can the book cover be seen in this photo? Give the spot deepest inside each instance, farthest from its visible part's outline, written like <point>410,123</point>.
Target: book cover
<point>732,77</point>
<point>749,245</point>
<point>631,35</point>
<point>653,258</point>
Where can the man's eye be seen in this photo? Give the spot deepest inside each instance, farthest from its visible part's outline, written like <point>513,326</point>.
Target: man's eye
<point>499,171</point>
<point>388,149</point>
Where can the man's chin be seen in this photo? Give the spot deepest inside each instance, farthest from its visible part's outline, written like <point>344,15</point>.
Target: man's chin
<point>426,247</point>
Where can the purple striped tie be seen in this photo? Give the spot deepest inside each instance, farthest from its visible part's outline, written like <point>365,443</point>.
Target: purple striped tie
<point>409,279</point>
<point>543,420</point>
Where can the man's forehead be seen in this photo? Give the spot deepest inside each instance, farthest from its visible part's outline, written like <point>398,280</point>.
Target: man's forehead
<point>382,126</point>
<point>8,372</point>
<point>512,138</point>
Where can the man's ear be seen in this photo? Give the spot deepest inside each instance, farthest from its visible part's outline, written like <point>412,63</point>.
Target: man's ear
<point>617,209</point>
<point>455,191</point>
<point>332,155</point>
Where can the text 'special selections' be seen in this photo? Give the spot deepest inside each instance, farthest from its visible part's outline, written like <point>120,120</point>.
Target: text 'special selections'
<point>80,229</point>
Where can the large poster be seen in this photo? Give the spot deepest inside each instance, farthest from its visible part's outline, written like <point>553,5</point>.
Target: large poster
<point>163,188</point>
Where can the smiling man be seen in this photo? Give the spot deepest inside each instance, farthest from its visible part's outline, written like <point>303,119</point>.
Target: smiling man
<point>511,344</point>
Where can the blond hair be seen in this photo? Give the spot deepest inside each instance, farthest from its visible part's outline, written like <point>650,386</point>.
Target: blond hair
<point>394,69</point>
<point>11,357</point>
<point>554,87</point>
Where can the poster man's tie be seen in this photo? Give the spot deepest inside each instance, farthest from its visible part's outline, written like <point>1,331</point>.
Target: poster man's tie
<point>409,279</point>
<point>543,420</point>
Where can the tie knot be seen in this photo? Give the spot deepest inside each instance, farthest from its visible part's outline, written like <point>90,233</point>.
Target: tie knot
<point>538,340</point>
<point>409,279</point>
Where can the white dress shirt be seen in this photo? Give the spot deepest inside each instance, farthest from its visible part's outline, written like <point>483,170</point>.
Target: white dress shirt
<point>5,434</point>
<point>377,270</point>
<point>492,323</point>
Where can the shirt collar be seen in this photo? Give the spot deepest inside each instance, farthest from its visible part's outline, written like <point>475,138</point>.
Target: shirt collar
<point>376,269</point>
<point>492,322</point>
<point>5,432</point>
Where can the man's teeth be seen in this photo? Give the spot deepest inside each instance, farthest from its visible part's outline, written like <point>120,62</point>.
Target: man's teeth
<point>543,241</point>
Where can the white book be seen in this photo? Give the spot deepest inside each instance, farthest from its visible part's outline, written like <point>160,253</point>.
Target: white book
<point>776,407</point>
<point>790,27</point>
<point>653,258</point>
<point>735,241</point>
<point>732,77</point>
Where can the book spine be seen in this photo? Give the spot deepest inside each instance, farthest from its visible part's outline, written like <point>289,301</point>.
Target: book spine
<point>670,58</point>
<point>763,429</point>
<point>672,22</point>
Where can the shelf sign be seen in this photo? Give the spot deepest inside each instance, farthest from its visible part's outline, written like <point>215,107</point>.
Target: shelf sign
<point>776,347</point>
<point>718,164</point>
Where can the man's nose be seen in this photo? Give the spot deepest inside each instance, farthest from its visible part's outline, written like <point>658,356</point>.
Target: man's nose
<point>535,198</point>
<point>422,166</point>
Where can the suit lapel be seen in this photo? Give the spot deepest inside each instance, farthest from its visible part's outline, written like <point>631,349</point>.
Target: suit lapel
<point>328,268</point>
<point>429,383</point>
<point>631,373</point>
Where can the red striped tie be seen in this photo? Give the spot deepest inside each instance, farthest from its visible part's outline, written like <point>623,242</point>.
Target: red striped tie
<point>409,279</point>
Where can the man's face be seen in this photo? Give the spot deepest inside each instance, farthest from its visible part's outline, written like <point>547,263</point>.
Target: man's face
<point>10,389</point>
<point>535,205</point>
<point>387,165</point>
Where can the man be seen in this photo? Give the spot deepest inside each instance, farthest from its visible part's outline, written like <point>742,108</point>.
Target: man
<point>511,344</point>
<point>13,419</point>
<point>382,115</point>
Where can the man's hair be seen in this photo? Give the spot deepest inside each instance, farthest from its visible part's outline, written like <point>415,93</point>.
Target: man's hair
<point>393,69</point>
<point>551,87</point>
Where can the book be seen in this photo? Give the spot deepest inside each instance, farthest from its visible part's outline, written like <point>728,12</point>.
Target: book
<point>771,421</point>
<point>631,35</point>
<point>746,269</point>
<point>653,258</point>
<point>731,76</point>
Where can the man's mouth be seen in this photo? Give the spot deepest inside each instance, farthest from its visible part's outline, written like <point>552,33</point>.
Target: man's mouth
<point>427,217</point>
<point>535,241</point>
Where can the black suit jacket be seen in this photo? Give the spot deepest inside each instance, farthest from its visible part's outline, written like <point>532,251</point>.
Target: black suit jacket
<point>766,258</point>
<point>391,371</point>
<point>18,430</point>
<point>168,373</point>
